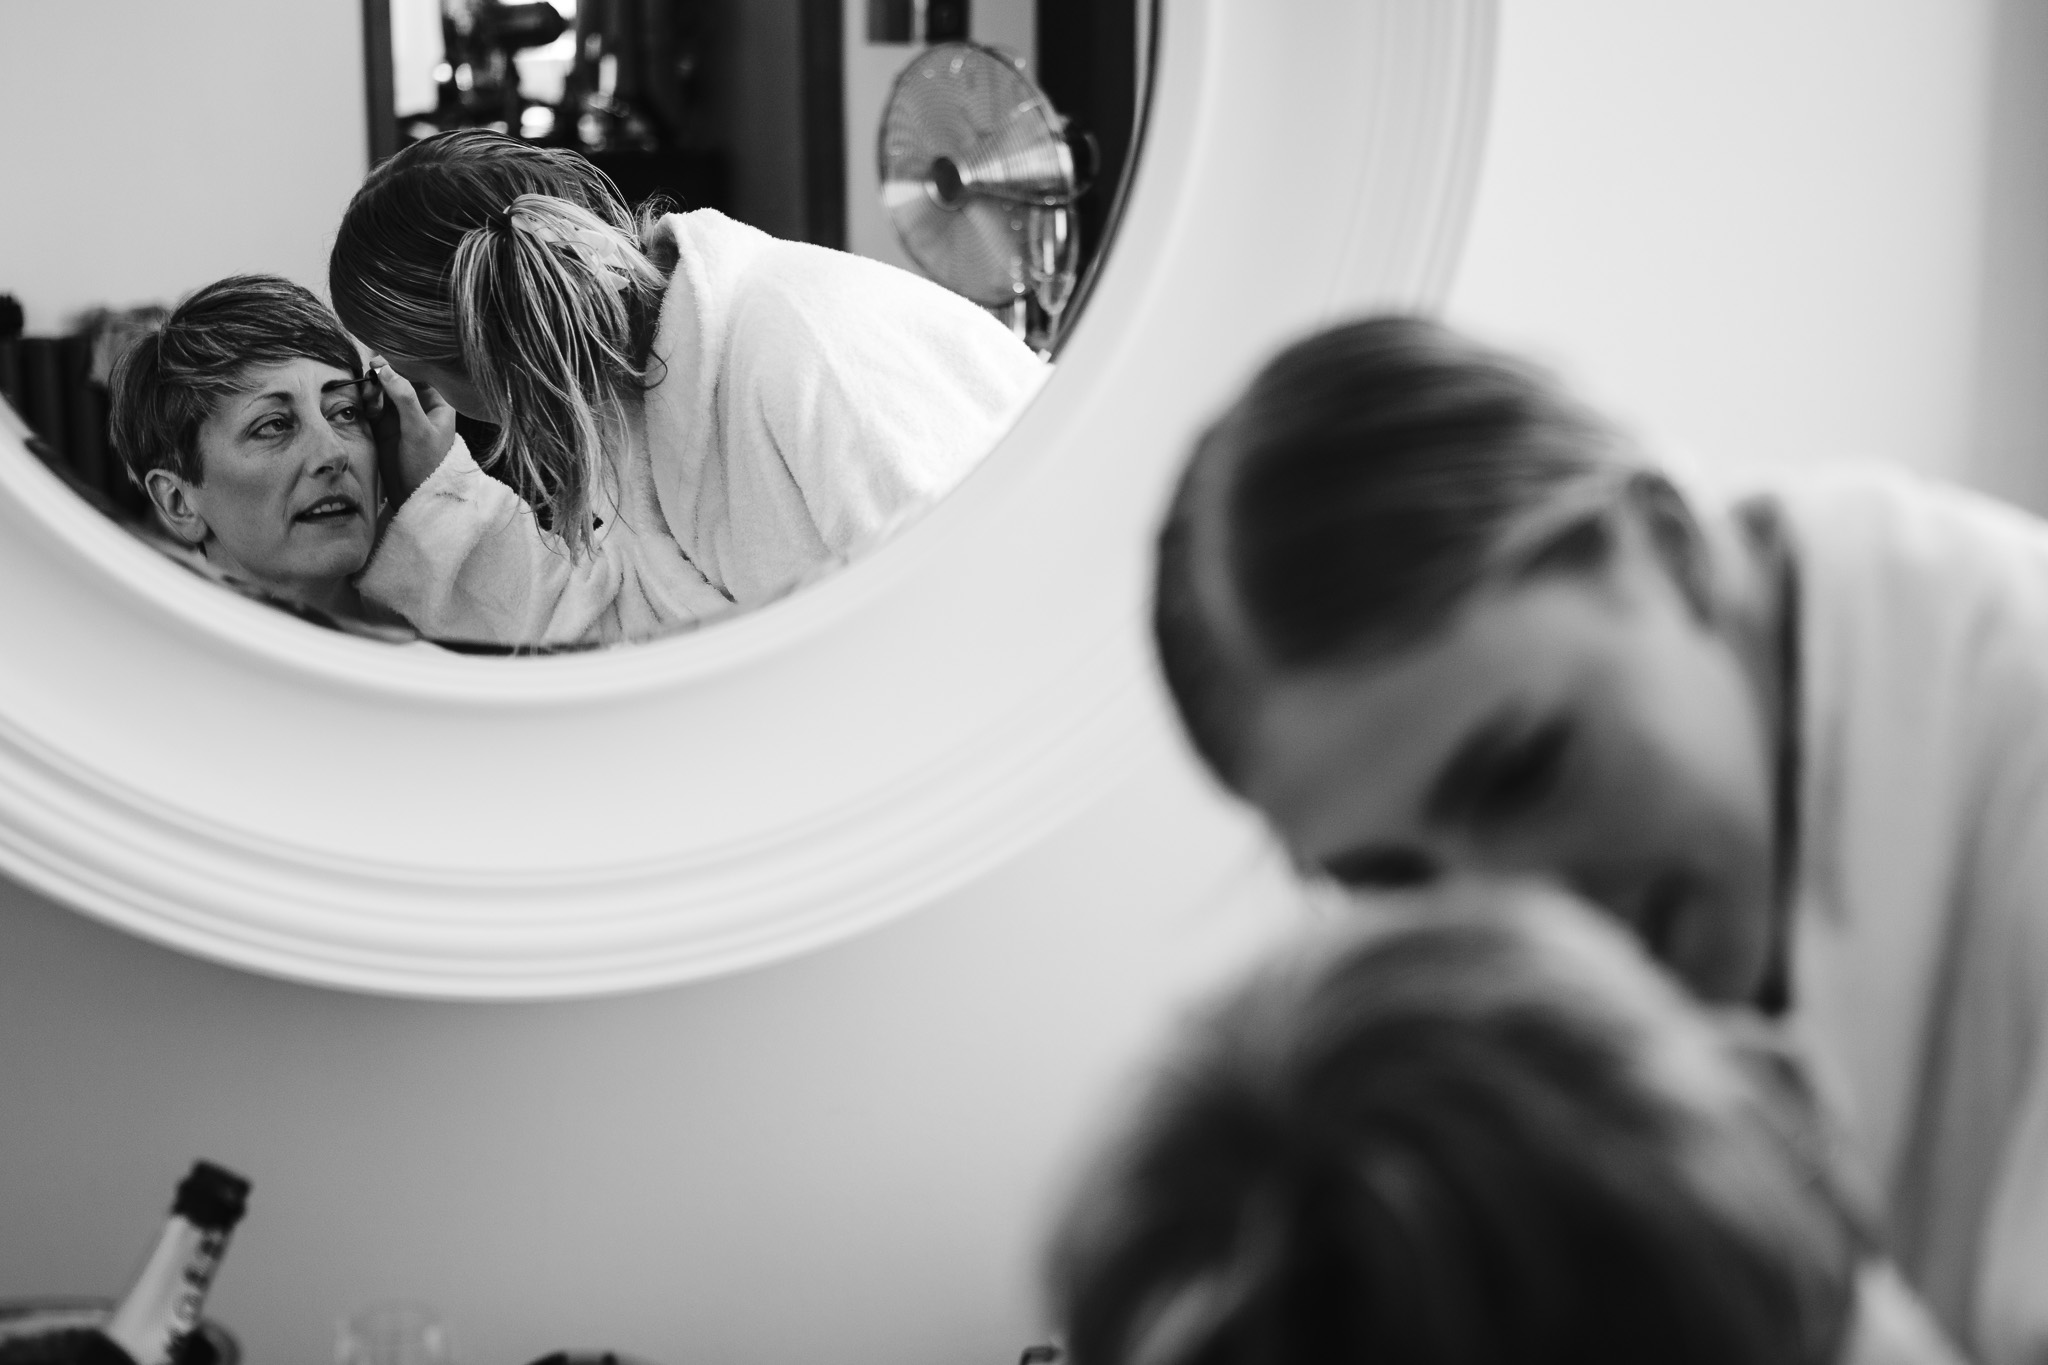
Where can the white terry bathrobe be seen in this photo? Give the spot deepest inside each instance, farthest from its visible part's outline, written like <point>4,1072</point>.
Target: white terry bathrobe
<point>806,402</point>
<point>1920,974</point>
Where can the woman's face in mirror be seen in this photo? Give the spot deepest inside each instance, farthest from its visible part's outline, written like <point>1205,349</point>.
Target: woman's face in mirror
<point>288,491</point>
<point>1584,727</point>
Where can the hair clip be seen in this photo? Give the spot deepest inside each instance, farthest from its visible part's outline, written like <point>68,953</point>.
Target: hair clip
<point>598,251</point>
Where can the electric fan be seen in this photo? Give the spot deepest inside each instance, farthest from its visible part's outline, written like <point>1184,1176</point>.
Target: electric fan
<point>978,180</point>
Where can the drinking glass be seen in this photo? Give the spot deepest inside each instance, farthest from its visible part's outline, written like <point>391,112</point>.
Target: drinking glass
<point>392,1334</point>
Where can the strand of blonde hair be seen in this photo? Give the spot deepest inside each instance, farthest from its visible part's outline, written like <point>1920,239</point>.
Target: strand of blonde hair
<point>546,303</point>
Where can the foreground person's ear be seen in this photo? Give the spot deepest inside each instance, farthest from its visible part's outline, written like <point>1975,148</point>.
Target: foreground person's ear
<point>171,496</point>
<point>1678,537</point>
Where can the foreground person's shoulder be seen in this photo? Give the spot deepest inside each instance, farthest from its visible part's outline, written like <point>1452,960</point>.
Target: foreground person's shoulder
<point>1909,511</point>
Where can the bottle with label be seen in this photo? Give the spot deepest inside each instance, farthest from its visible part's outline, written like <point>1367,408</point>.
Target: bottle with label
<point>157,1322</point>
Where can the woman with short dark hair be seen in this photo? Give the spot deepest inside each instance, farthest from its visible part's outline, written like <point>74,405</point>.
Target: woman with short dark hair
<point>1486,1131</point>
<point>243,420</point>
<point>1434,618</point>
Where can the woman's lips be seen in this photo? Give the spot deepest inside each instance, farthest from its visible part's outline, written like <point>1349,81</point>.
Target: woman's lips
<point>335,508</point>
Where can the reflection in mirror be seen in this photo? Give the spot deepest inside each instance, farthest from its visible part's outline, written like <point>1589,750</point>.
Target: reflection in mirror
<point>648,313</point>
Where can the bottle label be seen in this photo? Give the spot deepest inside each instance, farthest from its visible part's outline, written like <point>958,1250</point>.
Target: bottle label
<point>170,1293</point>
<point>196,1280</point>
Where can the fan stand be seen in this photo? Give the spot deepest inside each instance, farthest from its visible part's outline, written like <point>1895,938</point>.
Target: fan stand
<point>1030,322</point>
<point>1017,313</point>
<point>1035,313</point>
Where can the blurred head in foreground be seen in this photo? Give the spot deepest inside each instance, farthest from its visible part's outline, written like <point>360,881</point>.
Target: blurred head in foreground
<point>1484,1134</point>
<point>1434,617</point>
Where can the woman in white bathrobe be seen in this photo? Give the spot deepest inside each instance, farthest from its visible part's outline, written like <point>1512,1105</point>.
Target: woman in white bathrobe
<point>695,416</point>
<point>1435,620</point>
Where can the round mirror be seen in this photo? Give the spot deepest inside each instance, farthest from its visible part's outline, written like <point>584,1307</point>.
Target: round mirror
<point>648,314</point>
<point>377,810</point>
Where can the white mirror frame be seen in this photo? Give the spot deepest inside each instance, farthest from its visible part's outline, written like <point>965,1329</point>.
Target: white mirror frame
<point>234,783</point>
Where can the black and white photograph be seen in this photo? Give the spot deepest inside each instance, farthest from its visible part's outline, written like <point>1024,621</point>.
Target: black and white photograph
<point>1024,682</point>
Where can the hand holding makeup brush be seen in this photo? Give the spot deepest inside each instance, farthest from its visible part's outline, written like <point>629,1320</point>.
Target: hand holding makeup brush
<point>415,429</point>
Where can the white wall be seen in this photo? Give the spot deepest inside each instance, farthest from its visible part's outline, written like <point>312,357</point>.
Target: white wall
<point>1760,227</point>
<point>150,148</point>
<point>1755,228</point>
<point>844,1159</point>
<point>2008,452</point>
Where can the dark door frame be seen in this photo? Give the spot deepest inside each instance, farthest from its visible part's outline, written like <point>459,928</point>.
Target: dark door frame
<point>380,97</point>
<point>823,75</point>
<point>1091,69</point>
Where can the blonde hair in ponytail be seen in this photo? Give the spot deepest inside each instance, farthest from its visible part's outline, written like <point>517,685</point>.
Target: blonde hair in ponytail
<point>544,311</point>
<point>522,265</point>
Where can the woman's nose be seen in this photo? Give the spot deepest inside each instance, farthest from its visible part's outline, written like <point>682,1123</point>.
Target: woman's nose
<point>330,456</point>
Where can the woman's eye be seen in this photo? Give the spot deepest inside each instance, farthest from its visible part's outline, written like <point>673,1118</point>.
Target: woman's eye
<point>347,412</point>
<point>1527,774</point>
<point>273,426</point>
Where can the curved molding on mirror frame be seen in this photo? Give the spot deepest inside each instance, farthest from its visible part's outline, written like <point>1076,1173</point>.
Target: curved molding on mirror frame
<point>234,783</point>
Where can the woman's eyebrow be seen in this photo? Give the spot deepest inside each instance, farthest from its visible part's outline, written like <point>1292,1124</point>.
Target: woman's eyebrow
<point>1474,762</point>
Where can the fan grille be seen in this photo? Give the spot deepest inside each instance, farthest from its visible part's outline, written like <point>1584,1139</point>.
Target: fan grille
<point>970,153</point>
